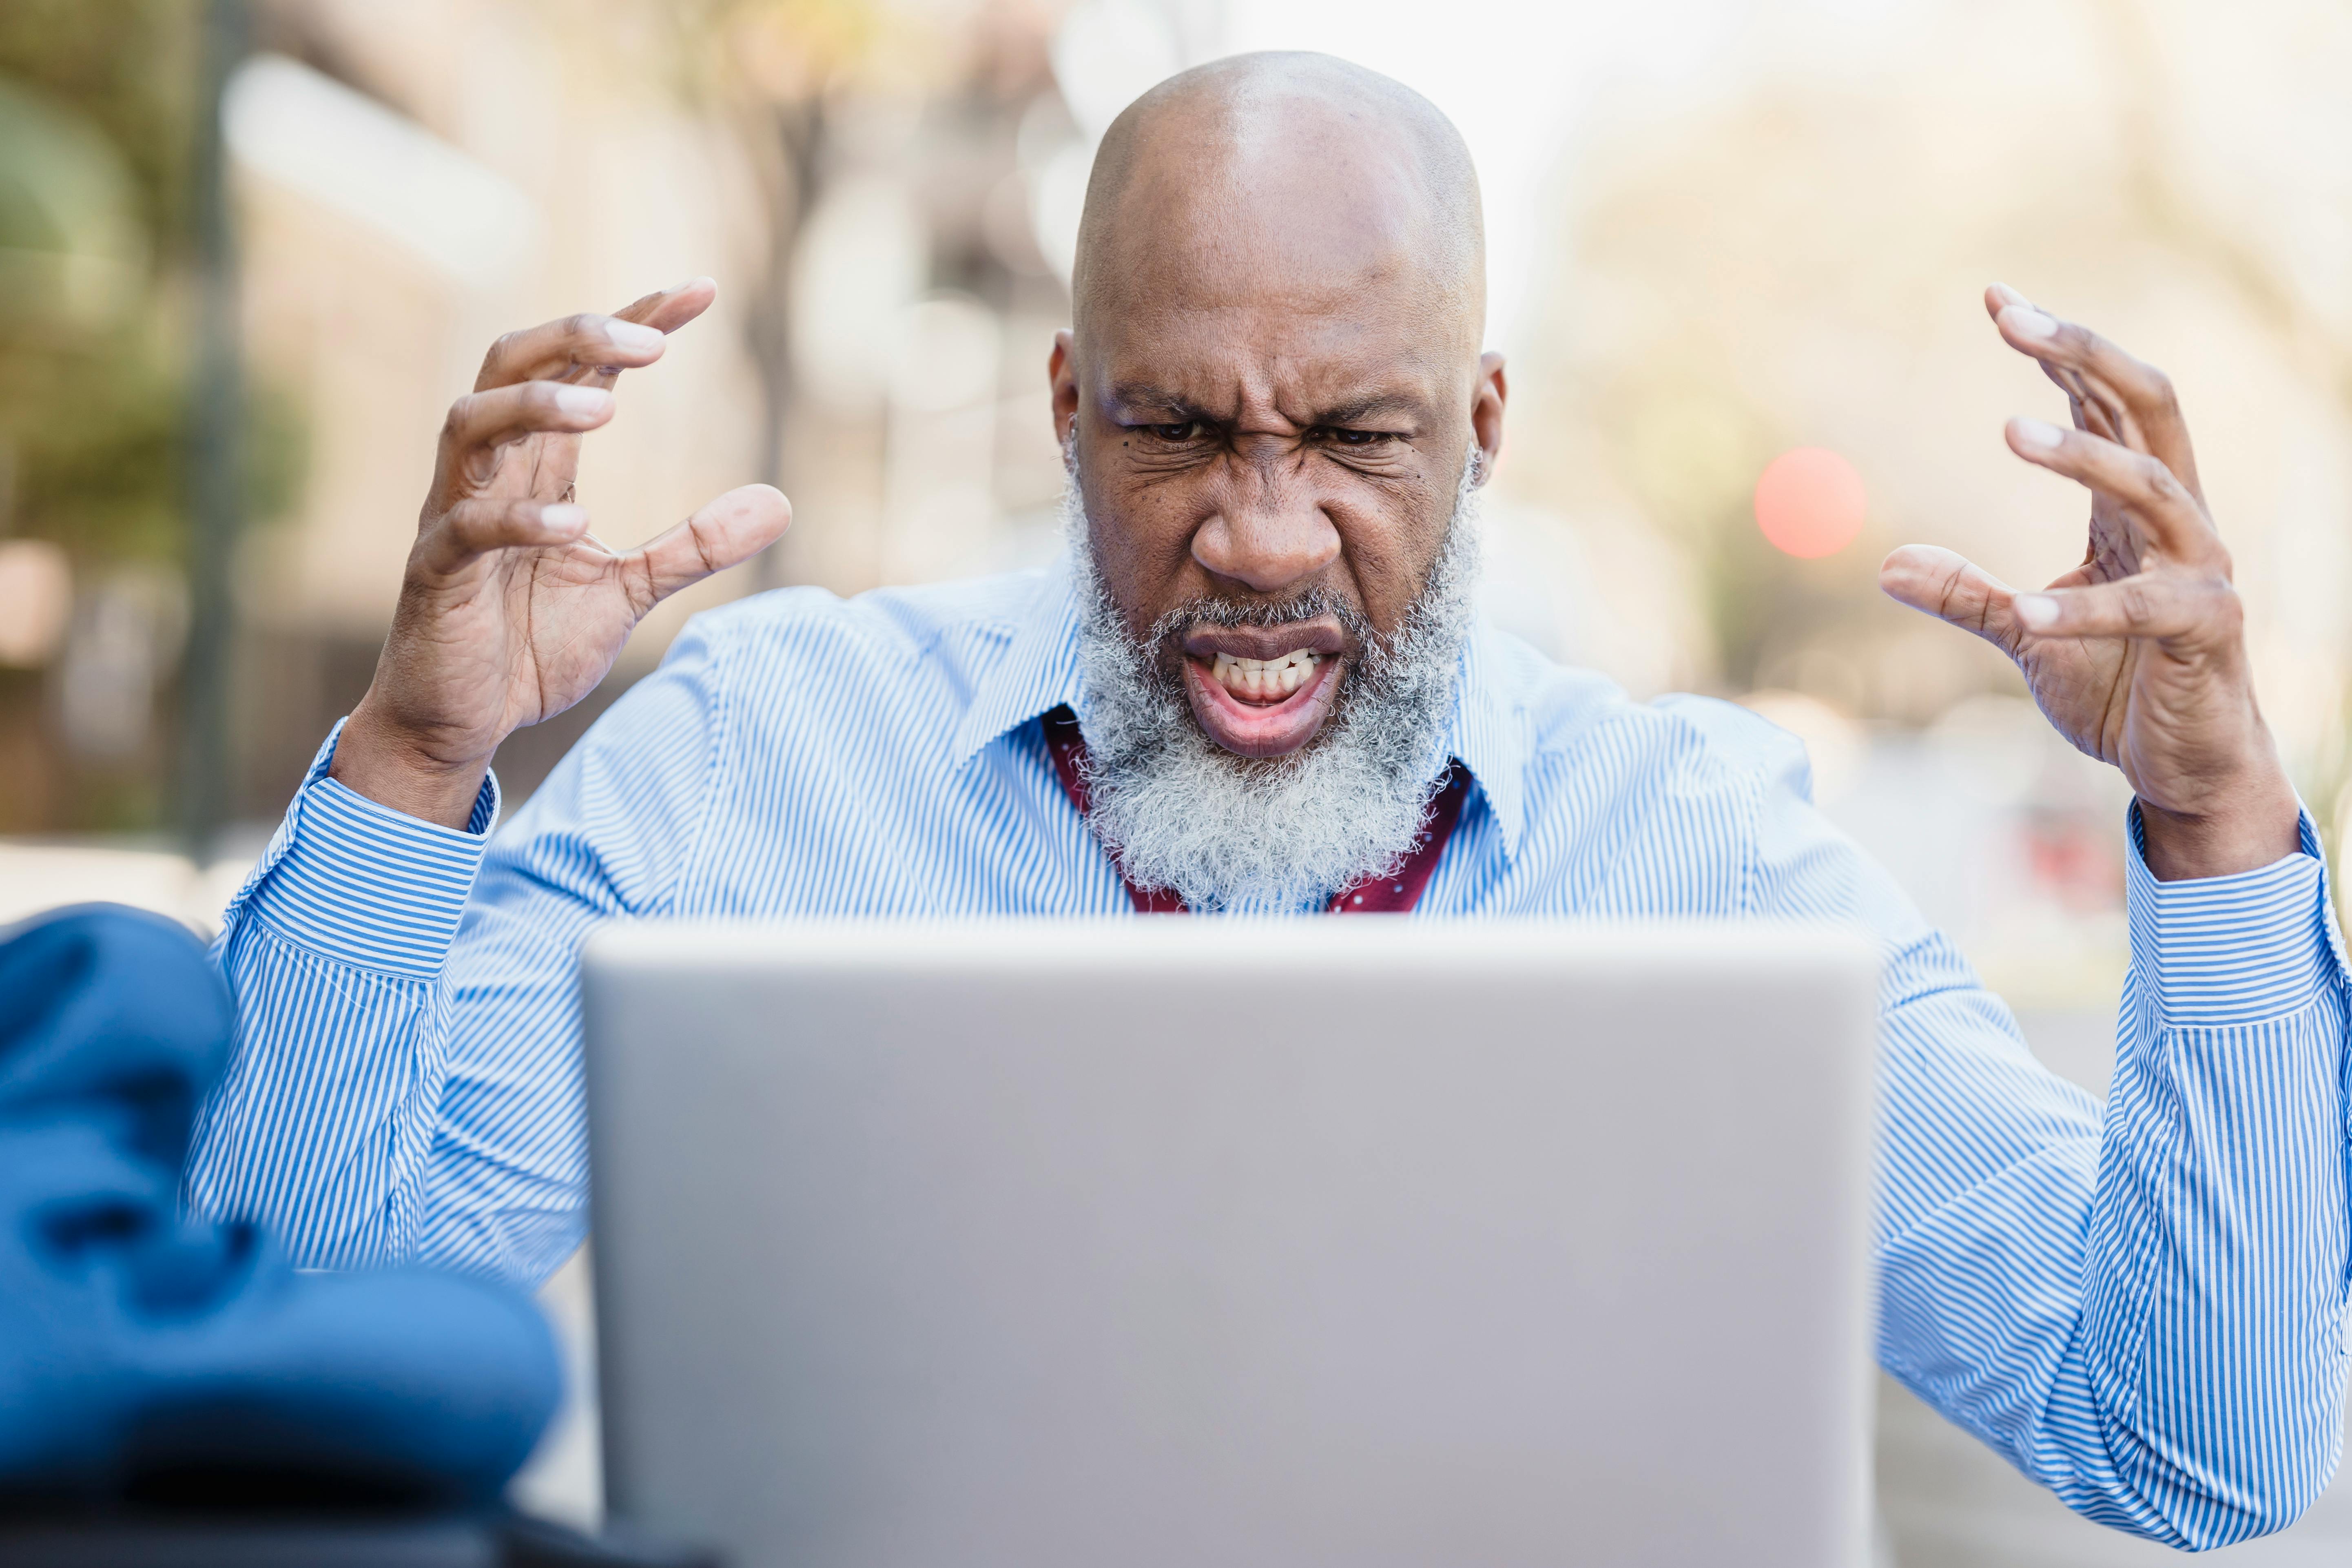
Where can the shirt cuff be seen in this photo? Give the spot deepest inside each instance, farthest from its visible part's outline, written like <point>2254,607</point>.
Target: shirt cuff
<point>364,884</point>
<point>2240,949</point>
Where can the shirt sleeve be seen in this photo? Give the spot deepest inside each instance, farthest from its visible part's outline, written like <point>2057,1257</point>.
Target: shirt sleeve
<point>405,1085</point>
<point>2142,1307</point>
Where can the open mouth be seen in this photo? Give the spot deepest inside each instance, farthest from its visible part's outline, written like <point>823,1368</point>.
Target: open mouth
<point>1265,682</point>
<point>1264,691</point>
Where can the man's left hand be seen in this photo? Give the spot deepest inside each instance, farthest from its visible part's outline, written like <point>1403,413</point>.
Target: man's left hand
<point>2138,655</point>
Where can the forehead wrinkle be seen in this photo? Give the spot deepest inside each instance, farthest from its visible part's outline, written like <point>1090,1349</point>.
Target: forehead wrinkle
<point>1343,349</point>
<point>1299,407</point>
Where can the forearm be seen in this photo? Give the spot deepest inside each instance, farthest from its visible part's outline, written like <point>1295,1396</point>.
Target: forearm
<point>318,1128</point>
<point>2204,1391</point>
<point>2150,1325</point>
<point>2214,1297</point>
<point>335,954</point>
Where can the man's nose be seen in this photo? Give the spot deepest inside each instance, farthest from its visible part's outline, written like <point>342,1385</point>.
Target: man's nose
<point>1268,536</point>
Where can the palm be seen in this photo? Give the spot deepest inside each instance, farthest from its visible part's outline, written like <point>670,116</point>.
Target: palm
<point>551,620</point>
<point>2085,686</point>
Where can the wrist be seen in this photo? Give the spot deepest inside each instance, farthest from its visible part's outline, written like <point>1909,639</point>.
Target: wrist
<point>376,760</point>
<point>2253,822</point>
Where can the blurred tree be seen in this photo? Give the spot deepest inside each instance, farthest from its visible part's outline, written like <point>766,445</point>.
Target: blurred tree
<point>92,137</point>
<point>1799,263</point>
<point>767,66</point>
<point>780,72</point>
<point>96,111</point>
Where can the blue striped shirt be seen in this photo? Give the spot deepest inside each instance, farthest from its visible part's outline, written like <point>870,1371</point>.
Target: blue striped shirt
<point>2142,1307</point>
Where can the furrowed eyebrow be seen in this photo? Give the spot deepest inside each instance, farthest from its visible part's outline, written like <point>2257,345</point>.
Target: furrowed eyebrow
<point>1136,400</point>
<point>1139,402</point>
<point>1381,405</point>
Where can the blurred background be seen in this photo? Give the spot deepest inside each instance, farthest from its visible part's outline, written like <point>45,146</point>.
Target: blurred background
<point>252,250</point>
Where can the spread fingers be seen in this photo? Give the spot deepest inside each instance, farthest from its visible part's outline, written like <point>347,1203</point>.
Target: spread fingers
<point>577,348</point>
<point>475,528</point>
<point>668,310</point>
<point>1947,585</point>
<point>2148,490</point>
<point>510,413</point>
<point>2151,605</point>
<point>2136,399</point>
<point>731,528</point>
<point>481,422</point>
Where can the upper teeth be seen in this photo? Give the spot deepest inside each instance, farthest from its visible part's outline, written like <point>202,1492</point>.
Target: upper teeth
<point>1265,678</point>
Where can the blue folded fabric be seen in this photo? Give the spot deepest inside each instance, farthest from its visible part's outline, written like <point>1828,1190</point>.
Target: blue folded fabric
<point>145,1354</point>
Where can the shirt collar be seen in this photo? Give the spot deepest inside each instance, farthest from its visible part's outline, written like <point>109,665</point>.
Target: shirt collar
<point>1040,672</point>
<point>1489,734</point>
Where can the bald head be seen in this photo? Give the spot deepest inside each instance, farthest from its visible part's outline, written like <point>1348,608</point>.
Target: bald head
<point>1270,174</point>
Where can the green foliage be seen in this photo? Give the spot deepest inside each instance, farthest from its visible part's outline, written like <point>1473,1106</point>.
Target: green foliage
<point>127,67</point>
<point>94,136</point>
<point>96,435</point>
<point>97,112</point>
<point>98,118</point>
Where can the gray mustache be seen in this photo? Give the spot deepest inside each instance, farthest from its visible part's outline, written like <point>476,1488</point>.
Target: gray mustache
<point>1210,610</point>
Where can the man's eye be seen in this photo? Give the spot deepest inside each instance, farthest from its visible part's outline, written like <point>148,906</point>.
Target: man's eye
<point>1176,433</point>
<point>1345,437</point>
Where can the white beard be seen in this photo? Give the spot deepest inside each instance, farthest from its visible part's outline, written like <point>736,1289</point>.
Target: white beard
<point>1180,812</point>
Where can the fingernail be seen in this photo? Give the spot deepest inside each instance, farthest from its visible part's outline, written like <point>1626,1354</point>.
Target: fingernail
<point>561,516</point>
<point>682,288</point>
<point>2028,322</point>
<point>2011,296</point>
<point>2039,433</point>
<point>583,400</point>
<point>629,335</point>
<point>2036,610</point>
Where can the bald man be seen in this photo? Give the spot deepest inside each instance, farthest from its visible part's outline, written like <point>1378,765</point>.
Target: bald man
<point>1255,683</point>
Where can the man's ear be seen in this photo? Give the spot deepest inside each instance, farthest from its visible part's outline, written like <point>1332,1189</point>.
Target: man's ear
<point>1062,371</point>
<point>1486,411</point>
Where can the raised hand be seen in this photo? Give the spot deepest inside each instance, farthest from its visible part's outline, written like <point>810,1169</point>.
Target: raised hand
<point>511,610</point>
<point>2138,656</point>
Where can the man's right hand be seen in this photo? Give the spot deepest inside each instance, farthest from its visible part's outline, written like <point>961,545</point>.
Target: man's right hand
<point>511,611</point>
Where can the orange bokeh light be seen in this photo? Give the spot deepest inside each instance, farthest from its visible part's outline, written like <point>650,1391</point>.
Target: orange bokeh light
<point>1809,502</point>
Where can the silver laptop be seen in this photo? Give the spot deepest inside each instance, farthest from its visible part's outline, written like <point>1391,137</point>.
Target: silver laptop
<point>1348,1241</point>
